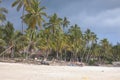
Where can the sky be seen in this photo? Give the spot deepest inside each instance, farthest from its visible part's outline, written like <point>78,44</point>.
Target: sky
<point>100,16</point>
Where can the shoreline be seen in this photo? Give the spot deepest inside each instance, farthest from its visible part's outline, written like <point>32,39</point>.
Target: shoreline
<point>18,71</point>
<point>51,63</point>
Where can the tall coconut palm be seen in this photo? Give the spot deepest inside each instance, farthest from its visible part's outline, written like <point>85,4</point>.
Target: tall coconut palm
<point>105,49</point>
<point>59,39</point>
<point>21,4</point>
<point>45,41</point>
<point>92,45</point>
<point>65,23</point>
<point>75,39</point>
<point>34,15</point>
<point>55,26</point>
<point>3,12</point>
<point>88,39</point>
<point>54,23</point>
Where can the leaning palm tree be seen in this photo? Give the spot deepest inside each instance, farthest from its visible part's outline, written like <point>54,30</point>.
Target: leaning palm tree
<point>30,37</point>
<point>10,37</point>
<point>2,41</point>
<point>3,11</point>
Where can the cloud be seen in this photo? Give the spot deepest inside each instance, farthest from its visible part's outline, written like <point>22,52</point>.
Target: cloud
<point>105,19</point>
<point>106,24</point>
<point>101,16</point>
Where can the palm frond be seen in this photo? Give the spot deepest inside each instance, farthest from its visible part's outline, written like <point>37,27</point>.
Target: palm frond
<point>15,3</point>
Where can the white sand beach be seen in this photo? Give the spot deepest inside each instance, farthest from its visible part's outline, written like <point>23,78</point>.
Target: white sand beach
<point>16,71</point>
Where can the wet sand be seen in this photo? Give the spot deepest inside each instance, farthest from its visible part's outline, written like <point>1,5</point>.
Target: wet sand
<point>16,71</point>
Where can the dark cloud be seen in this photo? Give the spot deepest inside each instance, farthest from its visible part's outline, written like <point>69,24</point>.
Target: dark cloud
<point>101,16</point>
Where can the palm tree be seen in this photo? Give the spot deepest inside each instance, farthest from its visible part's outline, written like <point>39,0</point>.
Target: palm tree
<point>10,37</point>
<point>3,11</point>
<point>116,52</point>
<point>75,39</point>
<point>2,47</point>
<point>55,26</point>
<point>65,23</point>
<point>105,50</point>
<point>96,53</point>
<point>2,41</point>
<point>33,18</point>
<point>93,45</point>
<point>31,39</point>
<point>59,39</point>
<point>21,4</point>
<point>54,23</point>
<point>1,31</point>
<point>34,15</point>
<point>45,41</point>
<point>88,39</point>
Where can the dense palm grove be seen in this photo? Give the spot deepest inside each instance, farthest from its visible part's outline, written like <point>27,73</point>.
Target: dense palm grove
<point>51,37</point>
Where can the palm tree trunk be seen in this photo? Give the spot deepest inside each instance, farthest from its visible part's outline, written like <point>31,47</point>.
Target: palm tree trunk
<point>87,56</point>
<point>48,51</point>
<point>61,55</point>
<point>27,54</point>
<point>57,56</point>
<point>3,56</point>
<point>65,56</point>
<point>82,57</point>
<point>12,52</point>
<point>22,19</point>
<point>6,50</point>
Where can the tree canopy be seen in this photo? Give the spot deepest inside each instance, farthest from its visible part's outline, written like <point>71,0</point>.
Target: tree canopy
<point>55,39</point>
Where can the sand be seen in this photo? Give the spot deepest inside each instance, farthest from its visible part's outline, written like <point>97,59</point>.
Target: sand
<point>16,71</point>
